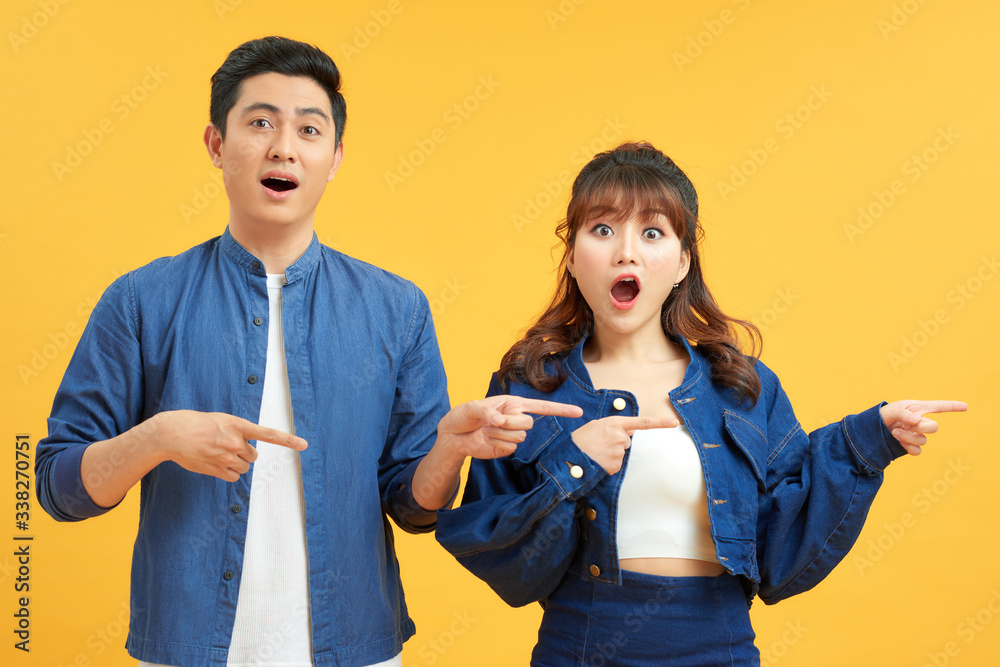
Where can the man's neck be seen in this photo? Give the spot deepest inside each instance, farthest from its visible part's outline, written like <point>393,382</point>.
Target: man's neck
<point>276,248</point>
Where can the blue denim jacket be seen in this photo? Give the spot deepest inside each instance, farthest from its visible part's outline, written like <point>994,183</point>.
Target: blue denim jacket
<point>368,389</point>
<point>784,507</point>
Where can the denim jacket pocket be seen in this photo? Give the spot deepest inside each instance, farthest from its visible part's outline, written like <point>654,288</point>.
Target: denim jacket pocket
<point>746,471</point>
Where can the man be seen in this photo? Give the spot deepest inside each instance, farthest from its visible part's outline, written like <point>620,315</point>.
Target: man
<point>278,553</point>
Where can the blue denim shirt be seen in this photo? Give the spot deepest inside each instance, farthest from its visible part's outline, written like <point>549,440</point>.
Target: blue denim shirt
<point>784,507</point>
<point>368,389</point>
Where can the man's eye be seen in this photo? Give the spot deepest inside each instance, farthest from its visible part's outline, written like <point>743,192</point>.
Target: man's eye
<point>310,130</point>
<point>260,122</point>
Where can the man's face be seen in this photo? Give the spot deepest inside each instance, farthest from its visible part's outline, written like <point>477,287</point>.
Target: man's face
<point>279,152</point>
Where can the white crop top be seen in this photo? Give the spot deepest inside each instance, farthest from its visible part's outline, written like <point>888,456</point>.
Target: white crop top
<point>663,506</point>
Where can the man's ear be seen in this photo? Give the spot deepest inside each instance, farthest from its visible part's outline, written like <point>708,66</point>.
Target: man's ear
<point>213,142</point>
<point>338,157</point>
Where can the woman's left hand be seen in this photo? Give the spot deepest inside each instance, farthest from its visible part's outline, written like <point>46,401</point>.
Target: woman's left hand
<point>907,422</point>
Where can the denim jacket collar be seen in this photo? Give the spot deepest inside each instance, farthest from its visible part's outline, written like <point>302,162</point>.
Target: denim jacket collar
<point>300,268</point>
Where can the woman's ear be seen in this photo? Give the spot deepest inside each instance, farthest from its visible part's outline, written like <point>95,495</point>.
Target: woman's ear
<point>684,267</point>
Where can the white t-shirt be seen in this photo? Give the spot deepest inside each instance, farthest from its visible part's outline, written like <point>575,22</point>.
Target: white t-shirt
<point>663,505</point>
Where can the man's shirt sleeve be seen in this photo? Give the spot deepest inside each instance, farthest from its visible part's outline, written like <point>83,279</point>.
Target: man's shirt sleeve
<point>101,396</point>
<point>420,402</point>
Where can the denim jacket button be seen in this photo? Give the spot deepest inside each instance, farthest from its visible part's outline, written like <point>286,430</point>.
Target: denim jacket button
<point>619,403</point>
<point>594,570</point>
<point>591,513</point>
<point>576,472</point>
<point>227,575</point>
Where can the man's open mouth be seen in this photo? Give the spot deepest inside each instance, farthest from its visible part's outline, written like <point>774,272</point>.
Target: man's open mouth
<point>278,184</point>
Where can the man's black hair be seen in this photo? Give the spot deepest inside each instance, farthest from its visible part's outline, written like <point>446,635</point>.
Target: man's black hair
<point>281,55</point>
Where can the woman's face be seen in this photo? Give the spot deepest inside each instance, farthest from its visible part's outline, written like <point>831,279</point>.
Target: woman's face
<point>626,269</point>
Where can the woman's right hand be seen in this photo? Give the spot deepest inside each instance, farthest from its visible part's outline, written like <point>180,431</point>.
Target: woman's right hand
<point>605,440</point>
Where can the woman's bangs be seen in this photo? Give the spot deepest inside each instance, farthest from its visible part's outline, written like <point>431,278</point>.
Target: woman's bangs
<point>625,192</point>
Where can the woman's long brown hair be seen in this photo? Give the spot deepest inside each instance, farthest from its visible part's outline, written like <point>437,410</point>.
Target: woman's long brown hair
<point>634,178</point>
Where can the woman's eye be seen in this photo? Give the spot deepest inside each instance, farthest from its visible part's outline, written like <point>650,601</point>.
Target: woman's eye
<point>652,234</point>
<point>602,230</point>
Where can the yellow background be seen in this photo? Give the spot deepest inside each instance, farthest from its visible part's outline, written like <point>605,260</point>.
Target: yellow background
<point>888,80</point>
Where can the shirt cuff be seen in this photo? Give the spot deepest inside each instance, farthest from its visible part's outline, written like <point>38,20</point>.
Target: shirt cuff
<point>70,497</point>
<point>871,441</point>
<point>573,472</point>
<point>404,508</point>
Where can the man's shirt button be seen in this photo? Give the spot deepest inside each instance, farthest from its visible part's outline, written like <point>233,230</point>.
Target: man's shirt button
<point>252,379</point>
<point>236,509</point>
<point>255,266</point>
<point>228,575</point>
<point>258,321</point>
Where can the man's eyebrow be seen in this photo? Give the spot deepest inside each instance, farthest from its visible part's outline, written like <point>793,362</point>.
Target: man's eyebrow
<point>260,106</point>
<point>299,111</point>
<point>316,111</point>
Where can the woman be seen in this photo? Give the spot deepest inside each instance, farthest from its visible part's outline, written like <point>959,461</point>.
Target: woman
<point>646,526</point>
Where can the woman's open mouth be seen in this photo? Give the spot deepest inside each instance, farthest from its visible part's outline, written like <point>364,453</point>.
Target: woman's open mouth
<point>624,292</point>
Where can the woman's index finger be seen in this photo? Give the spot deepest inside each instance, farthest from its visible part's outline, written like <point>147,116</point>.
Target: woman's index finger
<point>633,424</point>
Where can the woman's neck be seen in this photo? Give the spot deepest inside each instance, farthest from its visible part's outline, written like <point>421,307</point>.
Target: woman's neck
<point>646,346</point>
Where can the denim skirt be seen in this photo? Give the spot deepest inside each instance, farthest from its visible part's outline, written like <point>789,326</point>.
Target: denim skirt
<point>648,620</point>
